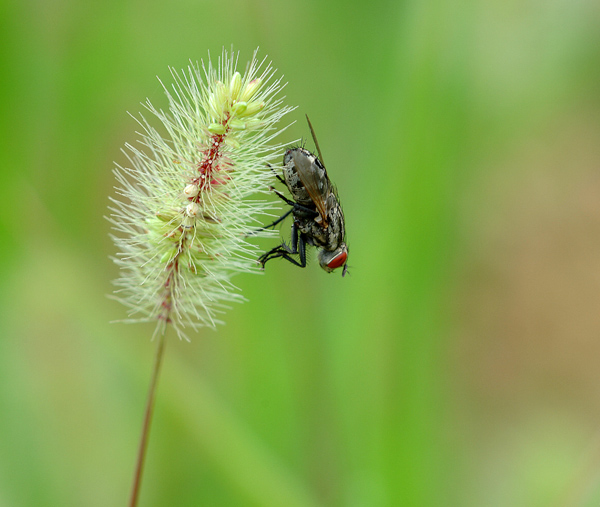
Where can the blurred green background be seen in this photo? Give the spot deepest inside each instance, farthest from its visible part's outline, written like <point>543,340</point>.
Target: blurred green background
<point>459,364</point>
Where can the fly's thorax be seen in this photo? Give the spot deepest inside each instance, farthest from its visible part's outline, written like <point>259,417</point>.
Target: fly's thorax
<point>315,233</point>
<point>328,237</point>
<point>336,230</point>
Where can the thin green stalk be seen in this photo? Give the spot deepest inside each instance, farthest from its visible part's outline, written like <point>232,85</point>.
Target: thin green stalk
<point>141,457</point>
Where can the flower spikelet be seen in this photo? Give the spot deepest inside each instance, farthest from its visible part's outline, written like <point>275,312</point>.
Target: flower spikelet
<point>188,195</point>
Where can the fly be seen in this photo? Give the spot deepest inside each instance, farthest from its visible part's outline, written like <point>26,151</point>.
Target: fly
<point>315,207</point>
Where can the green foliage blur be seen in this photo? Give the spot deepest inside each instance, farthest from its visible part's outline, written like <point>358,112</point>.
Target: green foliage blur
<point>457,365</point>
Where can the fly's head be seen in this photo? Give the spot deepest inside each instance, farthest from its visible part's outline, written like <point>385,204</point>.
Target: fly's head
<point>334,259</point>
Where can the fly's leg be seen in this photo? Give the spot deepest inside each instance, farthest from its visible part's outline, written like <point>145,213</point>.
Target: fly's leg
<point>282,250</point>
<point>273,224</point>
<point>276,174</point>
<point>298,247</point>
<point>280,219</point>
<point>293,204</point>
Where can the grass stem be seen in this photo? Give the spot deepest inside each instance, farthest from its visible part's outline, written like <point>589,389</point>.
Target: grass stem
<point>141,457</point>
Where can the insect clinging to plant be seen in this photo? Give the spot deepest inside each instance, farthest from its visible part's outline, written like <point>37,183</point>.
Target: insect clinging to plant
<point>316,210</point>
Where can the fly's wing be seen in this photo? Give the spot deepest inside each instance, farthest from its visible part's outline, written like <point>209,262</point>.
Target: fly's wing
<point>314,178</point>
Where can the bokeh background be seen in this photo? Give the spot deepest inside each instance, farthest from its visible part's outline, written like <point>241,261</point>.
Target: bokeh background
<point>459,364</point>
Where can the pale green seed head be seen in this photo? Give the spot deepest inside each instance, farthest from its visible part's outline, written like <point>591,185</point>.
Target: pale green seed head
<point>188,200</point>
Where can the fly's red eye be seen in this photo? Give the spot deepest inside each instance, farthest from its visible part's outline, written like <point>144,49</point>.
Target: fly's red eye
<point>338,261</point>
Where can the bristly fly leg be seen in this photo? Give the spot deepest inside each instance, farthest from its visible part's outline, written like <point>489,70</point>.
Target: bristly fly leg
<point>277,175</point>
<point>294,206</point>
<point>280,219</point>
<point>298,247</point>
